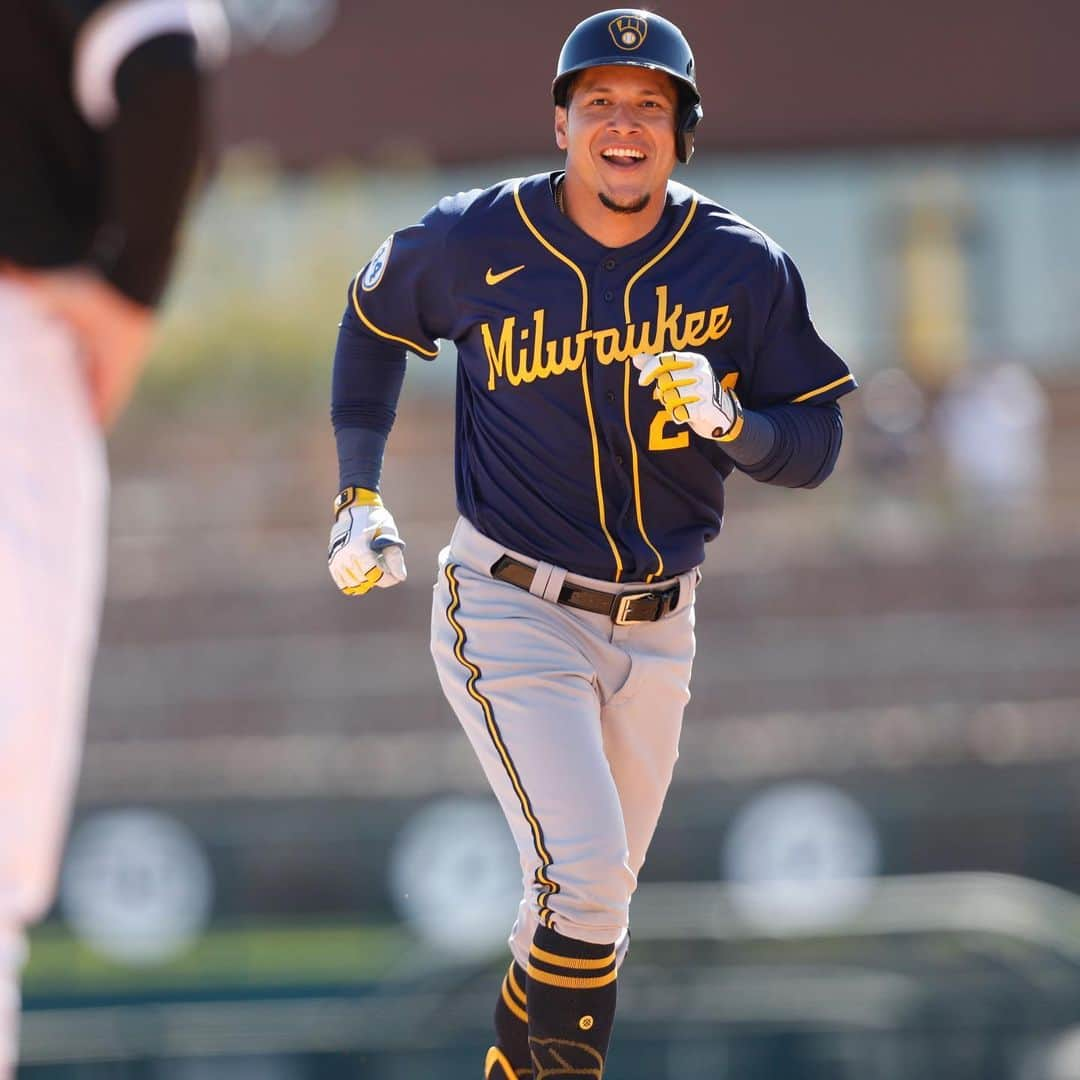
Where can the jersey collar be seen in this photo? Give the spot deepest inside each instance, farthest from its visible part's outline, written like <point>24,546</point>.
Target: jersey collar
<point>538,198</point>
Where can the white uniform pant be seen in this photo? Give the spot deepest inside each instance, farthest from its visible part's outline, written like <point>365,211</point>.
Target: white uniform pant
<point>576,723</point>
<point>52,533</point>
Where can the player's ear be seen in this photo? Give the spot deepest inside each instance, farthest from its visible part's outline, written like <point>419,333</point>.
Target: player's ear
<point>561,120</point>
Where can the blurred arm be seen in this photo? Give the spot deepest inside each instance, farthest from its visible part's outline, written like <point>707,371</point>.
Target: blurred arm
<point>136,78</point>
<point>151,150</point>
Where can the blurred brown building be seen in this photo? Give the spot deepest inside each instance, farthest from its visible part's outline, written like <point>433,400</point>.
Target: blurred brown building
<point>380,81</point>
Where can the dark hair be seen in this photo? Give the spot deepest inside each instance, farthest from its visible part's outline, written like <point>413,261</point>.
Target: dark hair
<point>566,91</point>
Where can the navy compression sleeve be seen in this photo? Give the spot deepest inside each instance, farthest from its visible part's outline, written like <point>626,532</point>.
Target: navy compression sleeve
<point>805,444</point>
<point>367,380</point>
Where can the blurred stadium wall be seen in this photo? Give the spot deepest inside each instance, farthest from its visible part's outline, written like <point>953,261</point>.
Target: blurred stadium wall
<point>867,867</point>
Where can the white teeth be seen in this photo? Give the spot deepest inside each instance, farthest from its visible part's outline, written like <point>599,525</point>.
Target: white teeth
<point>619,152</point>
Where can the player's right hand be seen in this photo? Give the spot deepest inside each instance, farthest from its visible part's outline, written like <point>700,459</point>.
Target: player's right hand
<point>686,385</point>
<point>113,332</point>
<point>365,551</point>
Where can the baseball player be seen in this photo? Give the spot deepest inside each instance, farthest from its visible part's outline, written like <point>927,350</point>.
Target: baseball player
<point>100,130</point>
<point>623,344</point>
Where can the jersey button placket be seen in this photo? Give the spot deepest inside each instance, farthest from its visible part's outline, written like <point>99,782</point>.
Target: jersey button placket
<point>607,311</point>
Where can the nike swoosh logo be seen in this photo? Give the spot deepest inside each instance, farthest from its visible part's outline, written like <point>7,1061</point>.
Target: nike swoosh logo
<point>493,279</point>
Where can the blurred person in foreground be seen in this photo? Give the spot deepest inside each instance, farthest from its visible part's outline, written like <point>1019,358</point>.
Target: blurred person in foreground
<point>607,322</point>
<point>101,129</point>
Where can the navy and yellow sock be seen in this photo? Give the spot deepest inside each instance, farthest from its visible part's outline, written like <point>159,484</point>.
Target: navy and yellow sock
<point>509,1058</point>
<point>572,995</point>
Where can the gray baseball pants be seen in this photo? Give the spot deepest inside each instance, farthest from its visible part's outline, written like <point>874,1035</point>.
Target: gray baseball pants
<point>576,723</point>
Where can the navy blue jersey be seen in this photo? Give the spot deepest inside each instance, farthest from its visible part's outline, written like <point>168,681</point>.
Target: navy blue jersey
<point>559,453</point>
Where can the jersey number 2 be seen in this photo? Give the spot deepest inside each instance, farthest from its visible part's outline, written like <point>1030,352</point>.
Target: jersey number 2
<point>679,439</point>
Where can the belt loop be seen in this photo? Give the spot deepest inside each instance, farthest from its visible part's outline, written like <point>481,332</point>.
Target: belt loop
<point>687,584</point>
<point>458,536</point>
<point>540,578</point>
<point>554,584</point>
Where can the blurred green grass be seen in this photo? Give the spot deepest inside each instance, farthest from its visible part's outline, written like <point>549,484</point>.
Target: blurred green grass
<point>224,956</point>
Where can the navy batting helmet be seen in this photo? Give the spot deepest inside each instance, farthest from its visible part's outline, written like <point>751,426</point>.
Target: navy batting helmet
<point>638,39</point>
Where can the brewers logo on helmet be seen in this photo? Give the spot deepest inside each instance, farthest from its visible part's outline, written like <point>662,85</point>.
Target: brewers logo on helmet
<point>628,31</point>
<point>639,39</point>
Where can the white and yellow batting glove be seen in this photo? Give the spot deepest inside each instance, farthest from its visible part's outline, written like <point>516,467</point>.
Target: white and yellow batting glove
<point>686,385</point>
<point>365,549</point>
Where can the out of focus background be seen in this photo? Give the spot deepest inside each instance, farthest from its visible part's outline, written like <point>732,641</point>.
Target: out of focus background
<point>285,864</point>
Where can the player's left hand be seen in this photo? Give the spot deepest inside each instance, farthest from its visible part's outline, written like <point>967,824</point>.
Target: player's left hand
<point>686,385</point>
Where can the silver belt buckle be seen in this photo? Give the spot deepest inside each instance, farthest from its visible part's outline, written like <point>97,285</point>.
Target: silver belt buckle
<point>624,606</point>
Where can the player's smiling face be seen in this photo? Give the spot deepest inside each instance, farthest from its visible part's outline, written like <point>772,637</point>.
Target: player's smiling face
<point>618,131</point>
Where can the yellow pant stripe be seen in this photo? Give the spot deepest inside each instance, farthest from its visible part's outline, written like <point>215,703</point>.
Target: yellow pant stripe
<point>574,963</point>
<point>548,887</point>
<point>567,982</point>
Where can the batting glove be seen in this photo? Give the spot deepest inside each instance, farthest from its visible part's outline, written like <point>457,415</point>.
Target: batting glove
<point>686,385</point>
<point>365,549</point>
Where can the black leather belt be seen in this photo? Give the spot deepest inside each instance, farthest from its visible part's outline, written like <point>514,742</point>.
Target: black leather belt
<point>622,608</point>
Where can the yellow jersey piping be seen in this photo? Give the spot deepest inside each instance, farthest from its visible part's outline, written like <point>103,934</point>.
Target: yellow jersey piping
<point>382,333</point>
<point>821,389</point>
<point>626,391</point>
<point>584,376</point>
<point>656,258</point>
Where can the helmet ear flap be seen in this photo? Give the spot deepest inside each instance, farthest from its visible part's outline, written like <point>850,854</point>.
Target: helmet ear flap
<point>684,133</point>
